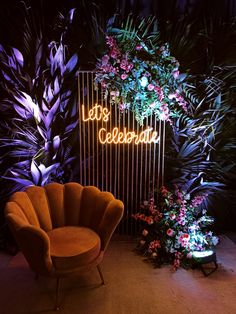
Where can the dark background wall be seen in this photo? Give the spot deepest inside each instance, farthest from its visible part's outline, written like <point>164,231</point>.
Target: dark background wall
<point>11,11</point>
<point>12,14</point>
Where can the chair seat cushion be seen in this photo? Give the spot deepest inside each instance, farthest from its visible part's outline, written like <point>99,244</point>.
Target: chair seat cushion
<point>73,247</point>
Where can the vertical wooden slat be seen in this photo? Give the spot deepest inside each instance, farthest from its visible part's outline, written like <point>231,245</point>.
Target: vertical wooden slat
<point>141,167</point>
<point>159,159</point>
<point>84,135</point>
<point>163,152</point>
<point>127,171</point>
<point>154,157</point>
<point>88,130</point>
<point>132,174</point>
<point>93,130</point>
<point>97,146</point>
<point>112,150</point>
<point>80,130</point>
<point>150,165</point>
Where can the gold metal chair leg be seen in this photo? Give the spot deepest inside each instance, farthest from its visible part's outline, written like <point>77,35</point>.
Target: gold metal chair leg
<point>101,275</point>
<point>57,294</point>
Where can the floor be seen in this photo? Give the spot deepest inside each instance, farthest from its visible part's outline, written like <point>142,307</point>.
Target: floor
<point>132,286</point>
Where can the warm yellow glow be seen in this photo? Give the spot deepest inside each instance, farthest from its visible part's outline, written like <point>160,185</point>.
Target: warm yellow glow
<point>147,136</point>
<point>96,113</point>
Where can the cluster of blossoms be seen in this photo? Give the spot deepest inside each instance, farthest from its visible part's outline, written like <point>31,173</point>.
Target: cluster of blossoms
<point>174,229</point>
<point>142,79</point>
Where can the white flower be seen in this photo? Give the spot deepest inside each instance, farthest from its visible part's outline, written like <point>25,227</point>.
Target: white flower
<point>143,81</point>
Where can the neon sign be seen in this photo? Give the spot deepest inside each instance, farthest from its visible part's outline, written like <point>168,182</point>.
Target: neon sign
<point>96,113</point>
<point>115,136</point>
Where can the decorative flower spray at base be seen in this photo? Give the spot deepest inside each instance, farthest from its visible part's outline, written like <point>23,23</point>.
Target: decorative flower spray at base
<point>174,229</point>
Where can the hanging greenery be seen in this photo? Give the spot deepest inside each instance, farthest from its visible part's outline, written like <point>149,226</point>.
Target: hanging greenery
<point>138,72</point>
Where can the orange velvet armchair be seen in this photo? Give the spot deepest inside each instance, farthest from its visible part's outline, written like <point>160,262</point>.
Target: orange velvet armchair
<point>63,229</point>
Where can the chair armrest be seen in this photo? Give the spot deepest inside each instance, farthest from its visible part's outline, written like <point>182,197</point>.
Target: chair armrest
<point>111,218</point>
<point>35,245</point>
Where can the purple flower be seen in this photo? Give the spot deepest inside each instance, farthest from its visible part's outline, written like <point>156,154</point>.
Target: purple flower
<point>105,60</point>
<point>175,73</point>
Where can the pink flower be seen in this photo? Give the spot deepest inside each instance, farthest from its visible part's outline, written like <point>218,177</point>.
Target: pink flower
<point>103,84</point>
<point>124,76</point>
<point>164,116</point>
<point>184,239</point>
<point>122,106</point>
<point>160,93</point>
<point>183,104</point>
<point>154,244</point>
<point>110,41</point>
<point>114,53</point>
<point>171,96</point>
<point>164,108</point>
<point>150,87</point>
<point>149,220</point>
<point>130,66</point>
<point>198,200</point>
<point>139,47</point>
<point>176,264</point>
<point>114,94</point>
<point>172,217</point>
<point>145,233</point>
<point>170,232</point>
<point>124,64</point>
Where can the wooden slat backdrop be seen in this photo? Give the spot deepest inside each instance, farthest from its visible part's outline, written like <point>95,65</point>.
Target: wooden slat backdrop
<point>129,171</point>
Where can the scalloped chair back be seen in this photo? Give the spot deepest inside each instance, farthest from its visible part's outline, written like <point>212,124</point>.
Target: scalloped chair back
<point>63,229</point>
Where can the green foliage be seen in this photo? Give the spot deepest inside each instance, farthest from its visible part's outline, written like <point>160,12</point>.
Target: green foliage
<point>175,228</point>
<point>39,109</point>
<point>139,73</point>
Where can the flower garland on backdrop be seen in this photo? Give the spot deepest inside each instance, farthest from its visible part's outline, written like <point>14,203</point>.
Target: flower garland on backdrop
<point>174,229</point>
<point>140,75</point>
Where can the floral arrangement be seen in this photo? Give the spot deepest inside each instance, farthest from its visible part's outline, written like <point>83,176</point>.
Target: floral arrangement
<point>175,229</point>
<point>141,76</point>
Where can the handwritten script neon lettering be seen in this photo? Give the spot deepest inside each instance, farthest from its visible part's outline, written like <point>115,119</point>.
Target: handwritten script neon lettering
<point>116,136</point>
<point>96,113</point>
<point>127,137</point>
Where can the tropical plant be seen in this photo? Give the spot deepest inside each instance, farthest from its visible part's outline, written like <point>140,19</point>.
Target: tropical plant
<point>37,137</point>
<point>200,149</point>
<point>200,153</point>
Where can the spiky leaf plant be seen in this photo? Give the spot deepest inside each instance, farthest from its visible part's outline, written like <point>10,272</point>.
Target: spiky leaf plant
<point>39,109</point>
<point>201,148</point>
